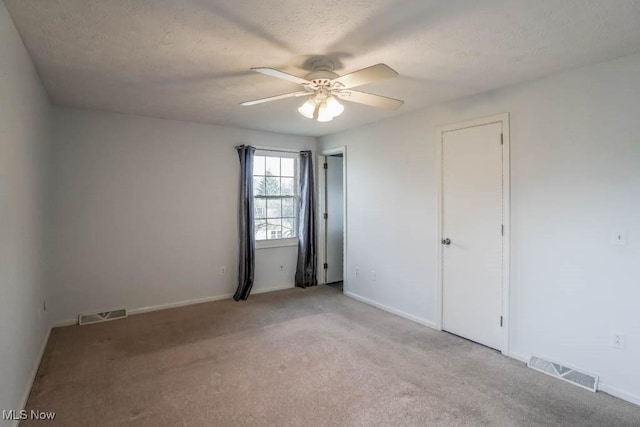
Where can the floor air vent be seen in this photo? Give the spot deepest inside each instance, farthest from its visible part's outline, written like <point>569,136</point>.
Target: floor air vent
<point>573,376</point>
<point>103,316</point>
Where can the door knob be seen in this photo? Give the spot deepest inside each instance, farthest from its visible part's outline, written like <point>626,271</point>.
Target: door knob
<point>446,241</point>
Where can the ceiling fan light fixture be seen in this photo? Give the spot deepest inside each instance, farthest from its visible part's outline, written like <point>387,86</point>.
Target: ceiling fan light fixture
<point>323,89</point>
<point>324,113</point>
<point>308,109</point>
<point>335,108</point>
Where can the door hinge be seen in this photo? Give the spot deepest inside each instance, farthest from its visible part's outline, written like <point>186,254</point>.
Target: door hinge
<point>326,166</point>
<point>326,266</point>
<point>502,229</point>
<point>325,215</point>
<point>501,139</point>
<point>501,321</point>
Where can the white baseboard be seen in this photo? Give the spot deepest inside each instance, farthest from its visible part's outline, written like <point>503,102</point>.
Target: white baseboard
<point>391,310</point>
<point>34,372</point>
<point>177,304</point>
<point>66,322</point>
<point>201,300</point>
<point>518,356</point>
<point>140,310</point>
<point>271,289</point>
<point>621,394</point>
<point>613,391</point>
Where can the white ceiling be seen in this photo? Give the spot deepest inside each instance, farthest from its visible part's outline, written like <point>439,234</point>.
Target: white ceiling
<point>189,59</point>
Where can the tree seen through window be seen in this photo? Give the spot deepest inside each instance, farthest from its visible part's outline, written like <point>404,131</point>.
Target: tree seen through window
<point>274,194</point>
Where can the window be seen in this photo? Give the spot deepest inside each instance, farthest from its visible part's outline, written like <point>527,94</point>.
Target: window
<point>275,234</point>
<point>274,195</point>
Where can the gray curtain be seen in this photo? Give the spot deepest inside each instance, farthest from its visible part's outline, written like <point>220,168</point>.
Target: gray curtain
<point>307,258</point>
<point>246,232</point>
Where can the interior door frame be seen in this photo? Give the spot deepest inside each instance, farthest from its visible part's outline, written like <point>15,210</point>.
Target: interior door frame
<point>322,241</point>
<point>506,215</point>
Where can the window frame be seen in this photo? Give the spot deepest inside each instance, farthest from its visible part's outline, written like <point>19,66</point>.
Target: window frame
<point>287,241</point>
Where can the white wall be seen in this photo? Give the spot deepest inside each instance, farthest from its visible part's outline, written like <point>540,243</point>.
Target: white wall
<point>144,212</point>
<point>575,165</point>
<point>24,127</point>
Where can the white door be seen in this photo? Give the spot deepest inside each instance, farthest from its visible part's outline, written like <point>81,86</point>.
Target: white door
<point>472,233</point>
<point>335,220</point>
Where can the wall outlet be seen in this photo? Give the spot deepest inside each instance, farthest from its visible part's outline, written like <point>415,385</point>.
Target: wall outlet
<point>619,238</point>
<point>618,340</point>
<point>373,276</point>
<point>223,271</point>
<point>357,272</point>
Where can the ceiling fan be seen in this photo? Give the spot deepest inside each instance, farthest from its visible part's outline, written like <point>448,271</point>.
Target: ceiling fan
<point>323,87</point>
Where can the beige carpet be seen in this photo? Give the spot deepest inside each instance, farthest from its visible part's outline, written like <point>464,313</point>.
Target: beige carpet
<point>296,357</point>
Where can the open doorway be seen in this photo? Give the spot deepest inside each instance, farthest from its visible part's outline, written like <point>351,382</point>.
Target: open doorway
<point>333,219</point>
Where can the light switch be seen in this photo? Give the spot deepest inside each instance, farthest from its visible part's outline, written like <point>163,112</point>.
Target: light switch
<point>619,238</point>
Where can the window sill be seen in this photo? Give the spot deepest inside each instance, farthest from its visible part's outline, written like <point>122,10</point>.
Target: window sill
<point>276,243</point>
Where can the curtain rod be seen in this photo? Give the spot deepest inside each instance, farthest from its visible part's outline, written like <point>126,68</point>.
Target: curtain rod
<point>278,150</point>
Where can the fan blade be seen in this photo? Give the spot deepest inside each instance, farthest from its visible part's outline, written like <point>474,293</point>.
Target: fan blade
<point>281,75</point>
<point>275,98</point>
<point>366,75</point>
<point>370,99</point>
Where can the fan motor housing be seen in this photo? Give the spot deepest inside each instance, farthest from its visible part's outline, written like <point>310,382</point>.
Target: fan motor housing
<point>321,77</point>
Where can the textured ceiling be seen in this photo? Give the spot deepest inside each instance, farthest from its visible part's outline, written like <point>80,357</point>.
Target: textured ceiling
<point>189,59</point>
